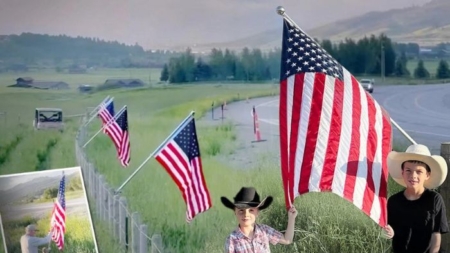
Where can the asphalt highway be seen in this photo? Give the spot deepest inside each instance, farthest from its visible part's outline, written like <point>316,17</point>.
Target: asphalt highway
<point>422,111</point>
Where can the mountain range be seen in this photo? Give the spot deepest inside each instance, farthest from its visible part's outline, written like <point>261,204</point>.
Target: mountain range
<point>425,25</point>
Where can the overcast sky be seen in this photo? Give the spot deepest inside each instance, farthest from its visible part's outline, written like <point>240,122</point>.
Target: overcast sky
<point>10,180</point>
<point>160,23</point>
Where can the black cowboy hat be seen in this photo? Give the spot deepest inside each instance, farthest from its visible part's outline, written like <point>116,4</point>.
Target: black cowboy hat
<point>247,197</point>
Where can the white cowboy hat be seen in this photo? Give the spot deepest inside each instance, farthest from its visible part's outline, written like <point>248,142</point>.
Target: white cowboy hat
<point>418,152</point>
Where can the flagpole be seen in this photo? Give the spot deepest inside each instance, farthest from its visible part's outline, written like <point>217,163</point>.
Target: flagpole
<point>176,131</point>
<point>281,11</point>
<point>106,125</point>
<point>96,109</point>
<point>3,233</point>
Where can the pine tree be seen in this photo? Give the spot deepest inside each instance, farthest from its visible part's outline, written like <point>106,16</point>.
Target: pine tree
<point>421,71</point>
<point>164,73</point>
<point>443,71</point>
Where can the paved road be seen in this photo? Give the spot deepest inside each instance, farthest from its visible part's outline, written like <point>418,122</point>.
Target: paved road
<point>76,206</point>
<point>423,111</point>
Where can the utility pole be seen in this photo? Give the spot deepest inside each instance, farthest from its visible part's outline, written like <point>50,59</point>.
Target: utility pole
<point>383,61</point>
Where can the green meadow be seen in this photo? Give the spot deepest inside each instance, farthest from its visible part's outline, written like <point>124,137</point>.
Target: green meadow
<point>76,239</point>
<point>325,223</point>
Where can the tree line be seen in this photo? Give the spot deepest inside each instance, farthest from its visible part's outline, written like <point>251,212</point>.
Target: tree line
<point>62,51</point>
<point>367,56</point>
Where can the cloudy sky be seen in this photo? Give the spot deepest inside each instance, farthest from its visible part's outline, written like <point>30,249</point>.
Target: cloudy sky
<point>160,23</point>
<point>10,180</point>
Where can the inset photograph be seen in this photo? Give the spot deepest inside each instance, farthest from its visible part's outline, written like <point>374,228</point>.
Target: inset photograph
<point>46,211</point>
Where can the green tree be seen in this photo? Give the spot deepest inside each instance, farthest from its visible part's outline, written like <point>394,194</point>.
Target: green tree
<point>164,73</point>
<point>443,71</point>
<point>400,66</point>
<point>50,193</point>
<point>421,71</point>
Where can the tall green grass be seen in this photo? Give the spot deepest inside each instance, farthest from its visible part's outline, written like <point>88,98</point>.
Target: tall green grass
<point>153,114</point>
<point>78,236</point>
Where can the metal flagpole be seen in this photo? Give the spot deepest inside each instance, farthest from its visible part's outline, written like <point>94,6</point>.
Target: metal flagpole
<point>281,11</point>
<point>176,131</point>
<point>3,233</point>
<point>96,109</point>
<point>106,125</point>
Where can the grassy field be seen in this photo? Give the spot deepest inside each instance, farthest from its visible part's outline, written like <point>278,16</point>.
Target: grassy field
<point>431,65</point>
<point>325,223</point>
<point>76,239</point>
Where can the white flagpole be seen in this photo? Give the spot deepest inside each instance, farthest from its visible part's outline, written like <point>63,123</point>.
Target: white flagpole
<point>106,125</point>
<point>3,233</point>
<point>96,110</point>
<point>176,131</point>
<point>282,12</point>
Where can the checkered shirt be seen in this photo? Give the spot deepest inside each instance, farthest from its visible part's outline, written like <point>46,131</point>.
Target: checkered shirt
<point>237,242</point>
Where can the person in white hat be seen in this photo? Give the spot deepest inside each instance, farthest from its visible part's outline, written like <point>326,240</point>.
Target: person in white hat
<point>29,242</point>
<point>416,215</point>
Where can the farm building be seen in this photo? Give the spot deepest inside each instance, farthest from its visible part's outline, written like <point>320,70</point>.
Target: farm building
<point>28,82</point>
<point>124,83</point>
<point>24,81</point>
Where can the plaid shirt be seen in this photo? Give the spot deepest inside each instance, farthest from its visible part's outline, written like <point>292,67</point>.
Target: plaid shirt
<point>263,235</point>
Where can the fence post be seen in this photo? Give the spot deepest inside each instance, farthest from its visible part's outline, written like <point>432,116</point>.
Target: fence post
<point>143,243</point>
<point>157,246</point>
<point>135,221</point>
<point>111,209</point>
<point>444,190</point>
<point>99,191</point>
<point>122,217</point>
<point>116,215</point>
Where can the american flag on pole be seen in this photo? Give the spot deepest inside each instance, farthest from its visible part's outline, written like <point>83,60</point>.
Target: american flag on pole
<point>181,159</point>
<point>333,135</point>
<point>106,114</point>
<point>123,148</point>
<point>58,219</point>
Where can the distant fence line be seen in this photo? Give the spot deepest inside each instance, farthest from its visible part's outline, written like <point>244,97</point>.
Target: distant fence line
<point>126,227</point>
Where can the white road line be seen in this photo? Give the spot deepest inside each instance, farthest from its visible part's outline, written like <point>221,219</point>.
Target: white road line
<point>266,103</point>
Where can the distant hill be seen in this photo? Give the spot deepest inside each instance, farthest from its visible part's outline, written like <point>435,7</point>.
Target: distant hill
<point>426,25</point>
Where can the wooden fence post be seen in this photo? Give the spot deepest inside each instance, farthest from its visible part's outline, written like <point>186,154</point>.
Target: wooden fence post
<point>143,243</point>
<point>444,190</point>
<point>135,222</point>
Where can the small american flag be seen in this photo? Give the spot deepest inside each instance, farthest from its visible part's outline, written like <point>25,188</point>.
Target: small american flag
<point>58,219</point>
<point>333,135</point>
<point>123,149</point>
<point>106,114</point>
<point>181,159</point>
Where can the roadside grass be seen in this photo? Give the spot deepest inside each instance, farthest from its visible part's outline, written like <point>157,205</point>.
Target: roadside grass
<point>324,222</point>
<point>78,236</point>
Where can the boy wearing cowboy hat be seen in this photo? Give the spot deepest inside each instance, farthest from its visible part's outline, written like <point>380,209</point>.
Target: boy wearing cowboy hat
<point>250,237</point>
<point>417,215</point>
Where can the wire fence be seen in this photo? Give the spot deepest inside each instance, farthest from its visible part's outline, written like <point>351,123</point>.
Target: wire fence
<point>125,226</point>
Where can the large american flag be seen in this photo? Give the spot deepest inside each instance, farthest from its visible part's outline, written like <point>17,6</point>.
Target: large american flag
<point>58,219</point>
<point>181,159</point>
<point>333,135</point>
<point>123,148</point>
